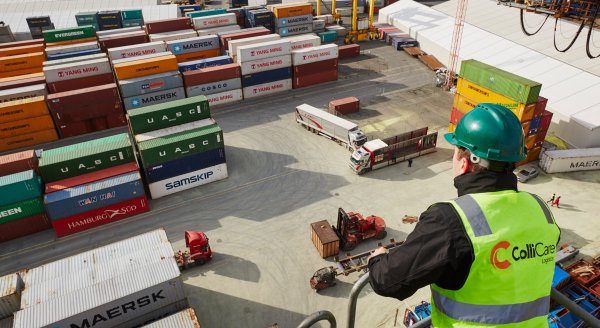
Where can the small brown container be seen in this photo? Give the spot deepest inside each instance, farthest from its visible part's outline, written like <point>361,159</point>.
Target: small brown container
<point>324,238</point>
<point>18,162</point>
<point>345,106</point>
<point>168,25</point>
<point>348,51</point>
<point>312,79</point>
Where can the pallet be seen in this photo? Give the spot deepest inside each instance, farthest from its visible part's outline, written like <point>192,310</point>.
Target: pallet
<point>431,62</point>
<point>414,51</point>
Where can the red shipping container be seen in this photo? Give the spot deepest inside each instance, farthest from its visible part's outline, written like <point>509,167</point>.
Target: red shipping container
<point>91,177</point>
<point>121,41</point>
<point>84,104</point>
<point>23,227</point>
<point>387,29</point>
<point>211,74</point>
<point>348,51</point>
<point>72,129</point>
<point>241,35</point>
<point>21,43</point>
<point>312,79</point>
<point>345,106</point>
<point>94,218</point>
<point>546,120</point>
<point>540,137</point>
<point>316,67</point>
<point>11,83</point>
<point>540,106</point>
<point>18,162</point>
<point>168,25</point>
<point>455,116</point>
<point>80,83</point>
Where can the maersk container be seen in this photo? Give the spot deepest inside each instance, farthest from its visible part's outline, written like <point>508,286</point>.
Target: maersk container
<point>19,186</point>
<point>154,98</point>
<point>278,74</point>
<point>213,87</point>
<point>111,302</point>
<point>204,63</point>
<point>21,209</point>
<point>555,161</point>
<point>184,319</point>
<point>148,84</point>
<point>294,20</point>
<point>200,43</point>
<point>187,181</point>
<point>184,165</point>
<point>87,197</point>
<point>294,30</point>
<point>173,113</point>
<point>178,145</point>
<point>29,91</point>
<point>94,155</point>
<point>11,287</point>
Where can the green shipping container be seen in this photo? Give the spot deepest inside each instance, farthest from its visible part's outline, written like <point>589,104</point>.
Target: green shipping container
<point>178,145</point>
<point>204,13</point>
<point>507,84</point>
<point>133,22</point>
<point>19,186</point>
<point>90,156</point>
<point>329,36</point>
<point>168,114</point>
<point>131,14</point>
<point>86,18</point>
<point>66,34</point>
<point>21,209</point>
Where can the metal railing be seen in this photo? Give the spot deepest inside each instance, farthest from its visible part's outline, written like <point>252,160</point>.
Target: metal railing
<point>318,316</point>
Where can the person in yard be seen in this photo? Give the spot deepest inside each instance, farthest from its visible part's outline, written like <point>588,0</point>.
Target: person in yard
<point>556,202</point>
<point>551,201</point>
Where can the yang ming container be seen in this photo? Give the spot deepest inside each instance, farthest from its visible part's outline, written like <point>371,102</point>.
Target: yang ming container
<point>267,88</point>
<point>263,50</point>
<point>19,186</point>
<point>315,54</point>
<point>187,181</point>
<point>76,70</point>
<point>149,84</point>
<point>184,165</point>
<point>170,114</point>
<point>214,21</point>
<point>267,64</point>
<point>225,97</point>
<point>137,50</point>
<point>11,286</point>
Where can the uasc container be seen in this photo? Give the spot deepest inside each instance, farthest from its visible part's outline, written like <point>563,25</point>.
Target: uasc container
<point>170,114</point>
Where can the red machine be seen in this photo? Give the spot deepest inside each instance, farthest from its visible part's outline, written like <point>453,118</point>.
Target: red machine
<point>199,250</point>
<point>352,228</point>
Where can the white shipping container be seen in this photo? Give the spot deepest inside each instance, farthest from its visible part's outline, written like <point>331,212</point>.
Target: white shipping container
<point>137,50</point>
<point>327,18</point>
<point>318,24</point>
<point>195,44</point>
<point>142,57</point>
<point>174,129</point>
<point>213,87</point>
<point>234,44</point>
<point>174,35</point>
<point>7,323</point>
<point>214,21</point>
<point>314,54</point>
<point>223,98</point>
<point>187,181</point>
<point>184,319</point>
<point>267,64</point>
<point>111,302</point>
<point>340,30</point>
<point>570,160</point>
<point>267,88</point>
<point>294,30</point>
<point>304,41</point>
<point>217,30</point>
<point>76,70</point>
<point>73,59</point>
<point>257,2</point>
<point>11,287</point>
<point>122,34</point>
<point>163,312</point>
<point>263,50</point>
<point>119,31</point>
<point>50,51</point>
<point>29,91</point>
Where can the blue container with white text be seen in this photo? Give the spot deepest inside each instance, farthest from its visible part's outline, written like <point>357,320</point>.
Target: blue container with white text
<point>204,63</point>
<point>184,165</point>
<point>279,74</point>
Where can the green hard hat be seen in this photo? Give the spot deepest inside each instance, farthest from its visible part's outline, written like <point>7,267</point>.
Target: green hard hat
<point>492,132</point>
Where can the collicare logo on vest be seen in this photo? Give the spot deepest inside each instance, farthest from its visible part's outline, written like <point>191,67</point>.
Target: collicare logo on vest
<point>528,252</point>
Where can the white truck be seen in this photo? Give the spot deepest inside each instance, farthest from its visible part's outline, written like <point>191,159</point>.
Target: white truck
<point>331,126</point>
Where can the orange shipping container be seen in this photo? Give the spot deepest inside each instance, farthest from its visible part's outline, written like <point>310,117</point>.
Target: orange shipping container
<point>463,104</point>
<point>21,50</point>
<point>20,72</point>
<point>29,125</point>
<point>198,55</point>
<point>150,66</point>
<point>23,108</point>
<point>62,43</point>
<point>451,127</point>
<point>292,10</point>
<point>26,140</point>
<point>18,62</point>
<point>21,77</point>
<point>530,141</point>
<point>526,126</point>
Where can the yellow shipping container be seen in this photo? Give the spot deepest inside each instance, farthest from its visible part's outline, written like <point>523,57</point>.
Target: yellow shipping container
<point>24,71</point>
<point>477,94</point>
<point>19,62</point>
<point>292,10</point>
<point>26,140</point>
<point>21,50</point>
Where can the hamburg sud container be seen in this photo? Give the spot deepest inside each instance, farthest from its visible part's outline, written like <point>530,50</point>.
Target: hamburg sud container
<point>129,281</point>
<point>11,287</point>
<point>315,65</point>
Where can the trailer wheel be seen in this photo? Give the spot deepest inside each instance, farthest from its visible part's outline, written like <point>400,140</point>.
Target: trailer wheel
<point>381,234</point>
<point>200,261</point>
<point>349,246</point>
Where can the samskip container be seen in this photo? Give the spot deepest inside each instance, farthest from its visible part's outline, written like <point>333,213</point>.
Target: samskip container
<point>213,87</point>
<point>187,181</point>
<point>170,114</point>
<point>21,209</point>
<point>19,186</point>
<point>226,97</point>
<point>18,162</point>
<point>324,238</point>
<point>211,74</point>
<point>23,227</point>
<point>154,98</point>
<point>266,77</point>
<point>267,88</point>
<point>149,84</point>
<point>22,109</point>
<point>184,165</point>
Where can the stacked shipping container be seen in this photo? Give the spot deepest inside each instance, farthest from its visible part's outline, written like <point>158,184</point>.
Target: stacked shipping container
<point>315,65</point>
<point>292,20</point>
<point>221,84</point>
<point>11,287</point>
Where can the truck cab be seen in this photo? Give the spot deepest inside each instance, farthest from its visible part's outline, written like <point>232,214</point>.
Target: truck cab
<point>362,158</point>
<point>197,242</point>
<point>357,138</point>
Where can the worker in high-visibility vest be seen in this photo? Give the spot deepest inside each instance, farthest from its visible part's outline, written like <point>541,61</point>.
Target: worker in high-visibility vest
<point>488,254</point>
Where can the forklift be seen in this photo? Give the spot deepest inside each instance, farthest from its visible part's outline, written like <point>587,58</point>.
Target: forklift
<point>362,30</point>
<point>352,228</point>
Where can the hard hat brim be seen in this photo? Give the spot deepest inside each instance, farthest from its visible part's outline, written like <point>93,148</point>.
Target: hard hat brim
<point>450,137</point>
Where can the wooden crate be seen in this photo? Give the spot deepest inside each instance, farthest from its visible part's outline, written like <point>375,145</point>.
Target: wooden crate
<point>413,51</point>
<point>324,238</point>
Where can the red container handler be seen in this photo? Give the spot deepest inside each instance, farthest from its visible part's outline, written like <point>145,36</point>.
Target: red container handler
<point>168,25</point>
<point>84,104</point>
<point>23,227</point>
<point>540,106</point>
<point>73,129</point>
<point>97,217</point>
<point>18,162</point>
<point>122,40</point>
<point>312,79</point>
<point>316,67</point>
<point>211,74</point>
<point>80,83</point>
<point>22,82</point>
<point>21,43</point>
<point>345,106</point>
<point>241,35</point>
<point>348,51</point>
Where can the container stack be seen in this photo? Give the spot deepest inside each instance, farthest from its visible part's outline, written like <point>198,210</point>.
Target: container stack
<point>266,67</point>
<point>86,18</point>
<point>180,146</point>
<point>21,207</point>
<point>91,183</point>
<point>37,25</point>
<point>220,84</point>
<point>315,65</point>
<point>195,48</point>
<point>226,37</point>
<point>123,284</point>
<point>132,18</point>
<point>516,93</point>
<point>293,19</point>
<point>121,37</point>
<point>25,122</point>
<point>209,22</point>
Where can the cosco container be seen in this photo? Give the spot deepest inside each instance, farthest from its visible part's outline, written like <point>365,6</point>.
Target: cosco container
<point>206,12</point>
<point>263,50</point>
<point>315,54</point>
<point>30,91</point>
<point>167,25</point>
<point>204,63</point>
<point>149,84</point>
<point>154,98</point>
<point>267,88</point>
<point>170,114</point>
<point>19,186</point>
<point>555,161</point>
<point>294,20</point>
<point>502,82</point>
<point>266,77</point>
<point>69,161</point>
<point>234,44</point>
<point>11,286</point>
<point>67,34</point>
<point>184,165</point>
<point>18,162</point>
<point>94,195</point>
<point>213,87</point>
<point>211,74</point>
<point>179,144</point>
<point>226,97</point>
<point>214,21</point>
<point>21,209</point>
<point>187,181</point>
<point>294,30</point>
<point>137,50</point>
<point>196,44</point>
<point>76,70</point>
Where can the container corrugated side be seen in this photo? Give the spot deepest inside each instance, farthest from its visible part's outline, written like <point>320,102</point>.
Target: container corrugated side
<point>263,50</point>
<point>304,41</point>
<point>554,161</point>
<point>170,114</point>
<point>150,287</point>
<point>266,64</point>
<point>148,84</point>
<point>234,44</point>
<point>224,98</point>
<point>184,165</point>
<point>187,181</point>
<point>19,186</point>
<point>11,287</point>
<point>29,91</point>
<point>184,319</point>
<point>157,315</point>
<point>137,50</point>
<point>7,323</point>
<point>76,70</point>
<point>213,87</point>
<point>153,98</point>
<point>21,209</point>
<point>314,54</point>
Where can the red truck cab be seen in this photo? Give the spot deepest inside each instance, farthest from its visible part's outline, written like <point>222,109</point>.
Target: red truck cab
<point>197,242</point>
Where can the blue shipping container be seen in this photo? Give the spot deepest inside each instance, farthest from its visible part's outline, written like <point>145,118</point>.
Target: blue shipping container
<point>91,196</point>
<point>279,74</point>
<point>19,186</point>
<point>400,43</point>
<point>75,54</point>
<point>559,276</point>
<point>535,125</point>
<point>188,8</point>
<point>184,165</point>
<point>204,63</point>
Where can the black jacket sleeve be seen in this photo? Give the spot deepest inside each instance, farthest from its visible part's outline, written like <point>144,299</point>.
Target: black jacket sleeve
<point>437,251</point>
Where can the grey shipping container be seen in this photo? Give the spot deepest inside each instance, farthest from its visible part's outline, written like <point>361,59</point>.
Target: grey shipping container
<point>183,319</point>
<point>29,91</point>
<point>161,313</point>
<point>294,20</point>
<point>7,323</point>
<point>147,84</point>
<point>202,43</point>
<point>154,98</point>
<point>10,294</point>
<point>214,87</point>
